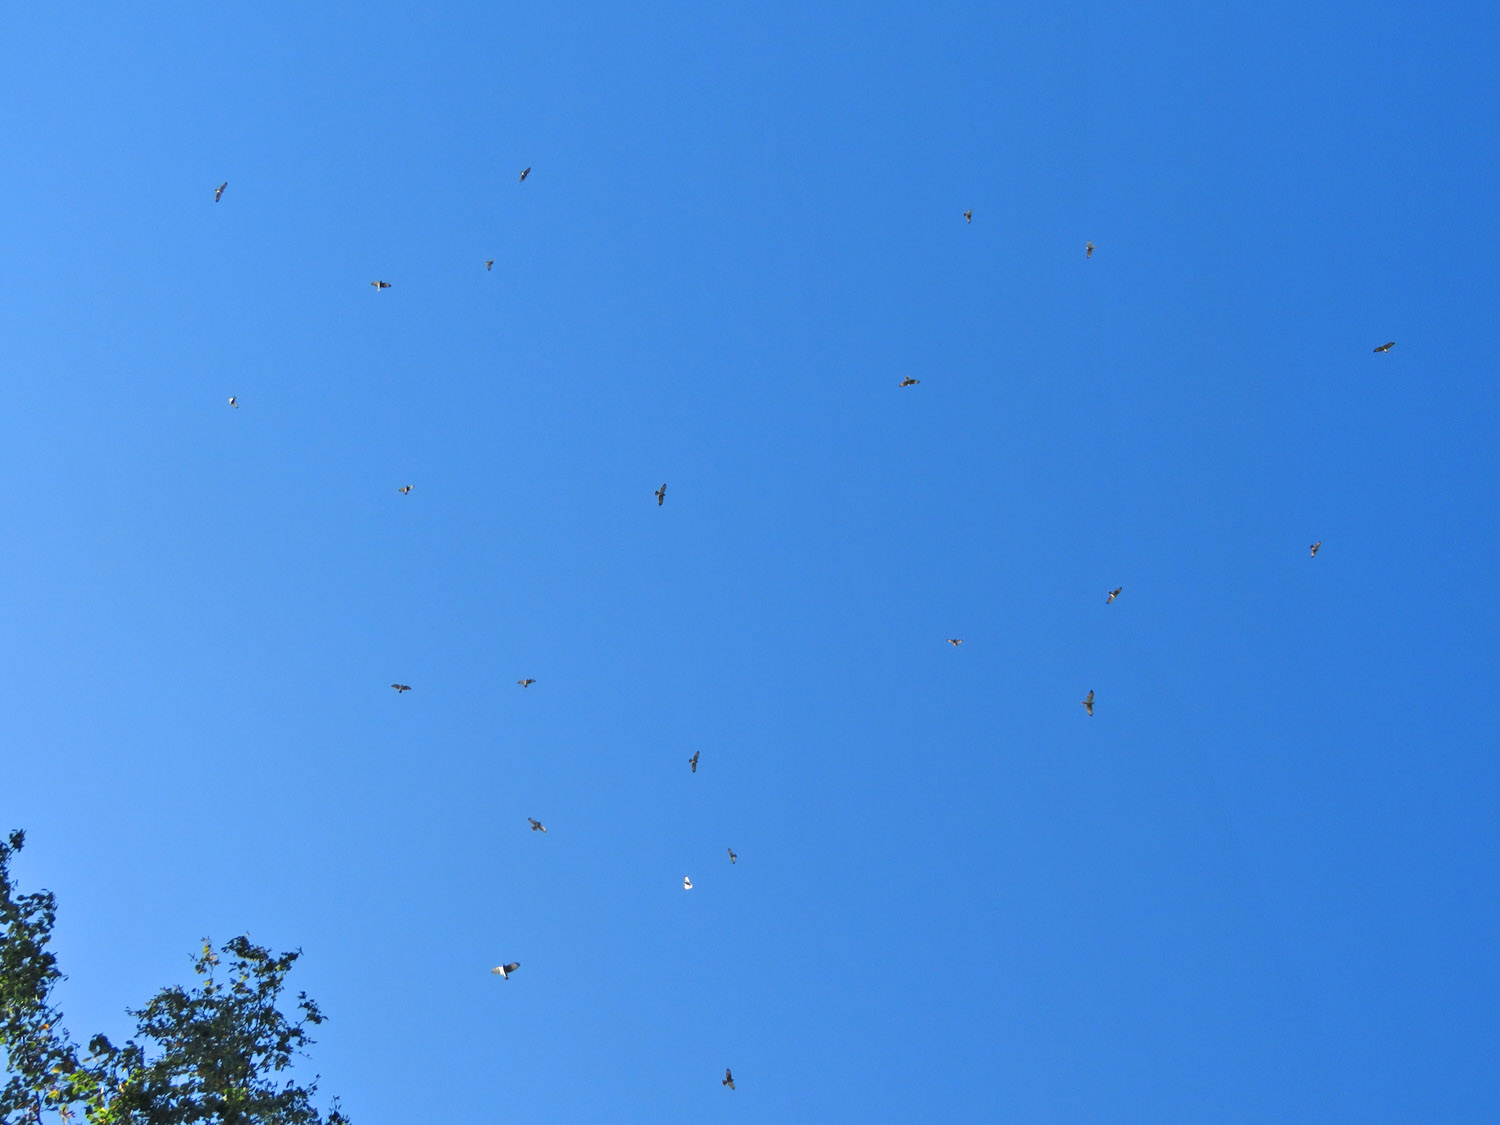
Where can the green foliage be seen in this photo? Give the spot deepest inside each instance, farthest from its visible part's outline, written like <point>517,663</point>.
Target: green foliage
<point>215,1052</point>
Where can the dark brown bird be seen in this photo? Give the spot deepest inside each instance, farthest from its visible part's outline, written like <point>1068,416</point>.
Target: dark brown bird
<point>404,489</point>
<point>693,761</point>
<point>1113,594</point>
<point>660,494</point>
<point>401,687</point>
<point>537,825</point>
<point>969,216</point>
<point>1088,249</point>
<point>1312,552</point>
<point>219,191</point>
<point>526,682</point>
<point>732,857</point>
<point>379,285</point>
<point>728,1079</point>
<point>504,971</point>
<point>525,172</point>
<point>955,641</point>
<point>909,382</point>
<point>1386,347</point>
<point>1088,703</point>
<point>490,264</point>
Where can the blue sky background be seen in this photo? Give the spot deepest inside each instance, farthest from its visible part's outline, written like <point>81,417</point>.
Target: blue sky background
<point>1258,885</point>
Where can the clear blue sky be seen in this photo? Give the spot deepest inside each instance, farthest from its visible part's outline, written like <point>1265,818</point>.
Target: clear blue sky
<point>1258,885</point>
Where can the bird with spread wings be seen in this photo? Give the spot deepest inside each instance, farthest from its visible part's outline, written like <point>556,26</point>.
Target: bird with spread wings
<point>1088,703</point>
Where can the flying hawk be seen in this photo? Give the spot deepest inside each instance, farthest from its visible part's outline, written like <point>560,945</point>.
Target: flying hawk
<point>969,216</point>
<point>234,402</point>
<point>504,971</point>
<point>1088,703</point>
<point>490,264</point>
<point>1113,594</point>
<point>955,641</point>
<point>379,285</point>
<point>732,857</point>
<point>537,825</point>
<point>404,489</point>
<point>728,1079</point>
<point>687,884</point>
<point>693,761</point>
<point>526,682</point>
<point>660,494</point>
<point>1386,347</point>
<point>401,687</point>
<point>1088,249</point>
<point>219,191</point>
<point>1312,552</point>
<point>525,172</point>
<point>909,382</point>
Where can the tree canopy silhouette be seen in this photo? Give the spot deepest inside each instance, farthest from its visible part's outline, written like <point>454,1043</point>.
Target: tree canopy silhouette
<point>213,1052</point>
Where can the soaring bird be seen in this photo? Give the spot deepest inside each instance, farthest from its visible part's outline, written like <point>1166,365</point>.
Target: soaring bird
<point>909,382</point>
<point>526,682</point>
<point>1113,594</point>
<point>379,285</point>
<point>728,1079</point>
<point>401,687</point>
<point>969,216</point>
<point>537,825</point>
<point>1386,347</point>
<point>219,191</point>
<point>687,884</point>
<point>1088,703</point>
<point>504,971</point>
<point>955,641</point>
<point>525,172</point>
<point>693,761</point>
<point>404,489</point>
<point>1312,552</point>
<point>1088,249</point>
<point>660,494</point>
<point>234,402</point>
<point>490,264</point>
<point>732,857</point>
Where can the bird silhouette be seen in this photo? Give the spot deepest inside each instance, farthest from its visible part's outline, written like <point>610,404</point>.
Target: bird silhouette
<point>404,489</point>
<point>234,402</point>
<point>1088,703</point>
<point>969,216</point>
<point>379,285</point>
<point>687,884</point>
<point>490,264</point>
<point>1312,552</point>
<point>728,1079</point>
<point>660,494</point>
<point>537,825</point>
<point>909,382</point>
<point>525,172</point>
<point>401,687</point>
<point>1088,249</point>
<point>693,761</point>
<point>504,971</point>
<point>526,682</point>
<point>1113,594</point>
<point>955,641</point>
<point>219,191</point>
<point>1386,347</point>
<point>732,857</point>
